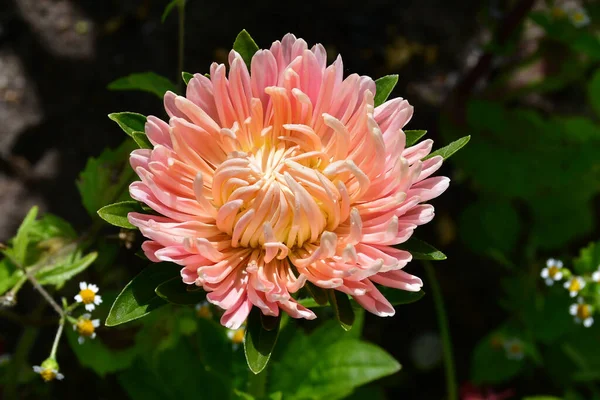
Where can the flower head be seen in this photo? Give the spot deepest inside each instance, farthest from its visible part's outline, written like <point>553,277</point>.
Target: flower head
<point>285,172</point>
<point>88,295</point>
<point>48,370</point>
<point>574,285</point>
<point>86,327</point>
<point>582,312</point>
<point>579,17</point>
<point>515,350</point>
<point>552,272</point>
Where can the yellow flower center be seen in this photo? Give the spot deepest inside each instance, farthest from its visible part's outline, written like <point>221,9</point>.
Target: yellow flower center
<point>558,12</point>
<point>48,374</point>
<point>238,336</point>
<point>578,17</point>
<point>584,311</point>
<point>552,271</point>
<point>85,327</point>
<point>87,296</point>
<point>204,312</point>
<point>515,348</point>
<point>575,286</point>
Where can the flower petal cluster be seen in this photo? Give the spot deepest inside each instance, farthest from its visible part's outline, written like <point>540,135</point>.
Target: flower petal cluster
<point>285,172</point>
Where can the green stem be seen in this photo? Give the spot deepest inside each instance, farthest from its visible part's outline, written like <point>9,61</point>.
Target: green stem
<point>59,332</point>
<point>181,42</point>
<point>442,318</point>
<point>257,384</point>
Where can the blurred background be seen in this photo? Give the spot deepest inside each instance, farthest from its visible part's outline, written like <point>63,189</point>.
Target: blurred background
<point>521,77</point>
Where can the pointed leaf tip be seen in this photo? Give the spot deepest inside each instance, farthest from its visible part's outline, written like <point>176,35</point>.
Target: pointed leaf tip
<point>245,46</point>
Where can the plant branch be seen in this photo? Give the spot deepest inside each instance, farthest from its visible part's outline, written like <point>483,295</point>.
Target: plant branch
<point>442,318</point>
<point>59,332</point>
<point>45,294</point>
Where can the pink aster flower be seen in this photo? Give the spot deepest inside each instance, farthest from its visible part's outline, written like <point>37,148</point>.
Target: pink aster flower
<point>267,178</point>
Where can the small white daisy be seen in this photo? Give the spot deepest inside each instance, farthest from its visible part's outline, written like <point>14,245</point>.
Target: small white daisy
<point>574,285</point>
<point>579,17</point>
<point>582,312</point>
<point>552,272</point>
<point>88,296</point>
<point>86,327</point>
<point>5,359</point>
<point>203,310</point>
<point>48,370</point>
<point>515,350</point>
<point>236,336</point>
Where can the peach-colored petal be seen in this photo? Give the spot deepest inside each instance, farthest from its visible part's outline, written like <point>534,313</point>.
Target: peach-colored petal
<point>267,178</point>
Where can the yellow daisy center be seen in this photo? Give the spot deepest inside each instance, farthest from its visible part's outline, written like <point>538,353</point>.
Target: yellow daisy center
<point>552,271</point>
<point>515,348</point>
<point>85,327</point>
<point>238,336</point>
<point>578,17</point>
<point>584,311</point>
<point>48,374</point>
<point>87,296</point>
<point>574,286</point>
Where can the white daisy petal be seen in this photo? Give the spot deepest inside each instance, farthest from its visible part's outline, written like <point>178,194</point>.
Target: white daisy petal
<point>59,376</point>
<point>573,309</point>
<point>558,276</point>
<point>90,307</point>
<point>544,273</point>
<point>37,369</point>
<point>78,298</point>
<point>549,281</point>
<point>81,339</point>
<point>96,323</point>
<point>589,321</point>
<point>82,285</point>
<point>550,262</point>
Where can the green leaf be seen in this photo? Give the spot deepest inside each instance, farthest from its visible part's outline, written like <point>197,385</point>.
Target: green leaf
<point>449,150</point>
<point>413,137</point>
<point>594,92</point>
<point>187,77</point>
<point>246,46</point>
<point>170,7</point>
<point>130,122</point>
<point>397,297</point>
<point>144,81</point>
<point>176,292</point>
<point>105,179</point>
<point>383,88</point>
<point>138,298</point>
<point>317,293</point>
<point>421,250</point>
<point>343,309</point>
<point>63,271</point>
<point>9,275</point>
<point>116,214</point>
<point>343,366</point>
<point>258,342</point>
<point>142,140</point>
<point>21,241</point>
<point>588,260</point>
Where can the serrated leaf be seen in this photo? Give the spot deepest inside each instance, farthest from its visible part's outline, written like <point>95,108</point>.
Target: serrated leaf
<point>106,178</point>
<point>169,8</point>
<point>144,81</point>
<point>342,308</point>
<point>139,298</point>
<point>258,342</point>
<point>176,292</point>
<point>187,77</point>
<point>588,260</point>
<point>421,250</point>
<point>58,274</point>
<point>116,214</point>
<point>129,122</point>
<point>9,275</point>
<point>449,150</point>
<point>413,137</point>
<point>21,240</point>
<point>246,46</point>
<point>383,88</point>
<point>142,140</point>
